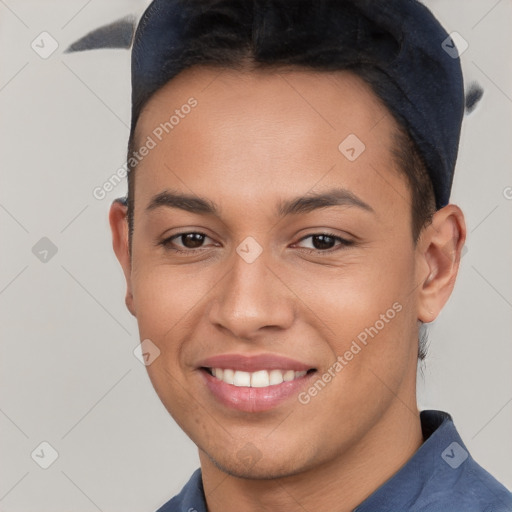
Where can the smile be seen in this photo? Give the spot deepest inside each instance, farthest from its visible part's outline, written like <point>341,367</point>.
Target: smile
<point>258,379</point>
<point>256,391</point>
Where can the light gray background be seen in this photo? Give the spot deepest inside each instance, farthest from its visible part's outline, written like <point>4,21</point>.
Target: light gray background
<point>68,373</point>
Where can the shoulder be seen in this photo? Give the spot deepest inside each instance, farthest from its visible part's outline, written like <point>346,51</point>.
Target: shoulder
<point>441,476</point>
<point>475,489</point>
<point>457,481</point>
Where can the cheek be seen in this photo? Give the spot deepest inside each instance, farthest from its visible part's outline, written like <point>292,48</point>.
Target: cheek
<point>351,296</point>
<point>366,315</point>
<point>365,312</point>
<point>165,300</point>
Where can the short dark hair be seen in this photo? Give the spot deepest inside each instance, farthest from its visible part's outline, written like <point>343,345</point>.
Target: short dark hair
<point>221,37</point>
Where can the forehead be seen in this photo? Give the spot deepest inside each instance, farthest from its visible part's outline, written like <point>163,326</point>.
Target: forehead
<point>338,98</point>
<point>265,131</point>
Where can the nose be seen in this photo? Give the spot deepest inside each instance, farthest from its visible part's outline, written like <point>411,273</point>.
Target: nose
<point>252,298</point>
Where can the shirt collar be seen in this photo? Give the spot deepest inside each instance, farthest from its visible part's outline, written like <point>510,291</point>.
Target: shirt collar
<point>427,471</point>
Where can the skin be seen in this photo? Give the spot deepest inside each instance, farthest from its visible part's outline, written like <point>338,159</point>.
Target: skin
<point>257,138</point>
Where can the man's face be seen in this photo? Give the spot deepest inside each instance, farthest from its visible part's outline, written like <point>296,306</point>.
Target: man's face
<point>254,143</point>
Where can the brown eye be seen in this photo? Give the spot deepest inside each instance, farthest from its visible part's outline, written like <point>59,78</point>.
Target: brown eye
<point>192,240</point>
<point>323,241</point>
<point>326,242</point>
<point>185,242</point>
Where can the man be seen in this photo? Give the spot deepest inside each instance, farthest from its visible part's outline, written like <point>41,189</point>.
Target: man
<point>287,233</point>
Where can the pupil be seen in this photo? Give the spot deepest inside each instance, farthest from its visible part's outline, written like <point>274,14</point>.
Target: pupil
<point>192,240</point>
<point>325,241</point>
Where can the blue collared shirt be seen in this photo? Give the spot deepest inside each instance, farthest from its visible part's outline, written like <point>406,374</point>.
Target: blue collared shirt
<point>440,477</point>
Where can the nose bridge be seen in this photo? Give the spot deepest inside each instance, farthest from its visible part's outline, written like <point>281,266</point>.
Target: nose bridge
<point>251,296</point>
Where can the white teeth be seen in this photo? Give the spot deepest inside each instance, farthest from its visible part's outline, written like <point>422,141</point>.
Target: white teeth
<point>289,375</point>
<point>259,379</point>
<point>275,377</point>
<point>228,376</point>
<point>242,379</point>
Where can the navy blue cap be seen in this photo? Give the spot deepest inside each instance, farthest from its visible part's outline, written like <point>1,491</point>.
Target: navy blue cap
<point>420,76</point>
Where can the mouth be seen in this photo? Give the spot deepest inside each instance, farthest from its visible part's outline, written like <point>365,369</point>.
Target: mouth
<point>254,382</point>
<point>254,391</point>
<point>256,379</point>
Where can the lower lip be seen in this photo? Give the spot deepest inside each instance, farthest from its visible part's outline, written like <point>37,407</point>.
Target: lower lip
<point>254,399</point>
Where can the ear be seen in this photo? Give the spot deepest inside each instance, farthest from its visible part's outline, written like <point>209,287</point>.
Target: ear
<point>120,241</point>
<point>439,252</point>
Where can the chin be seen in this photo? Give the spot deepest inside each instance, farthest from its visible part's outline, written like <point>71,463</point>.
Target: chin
<point>265,468</point>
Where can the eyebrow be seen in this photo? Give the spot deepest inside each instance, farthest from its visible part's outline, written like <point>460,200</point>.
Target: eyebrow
<point>314,201</point>
<point>298,205</point>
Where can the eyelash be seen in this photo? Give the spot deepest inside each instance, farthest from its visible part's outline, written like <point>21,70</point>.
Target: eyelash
<point>343,243</point>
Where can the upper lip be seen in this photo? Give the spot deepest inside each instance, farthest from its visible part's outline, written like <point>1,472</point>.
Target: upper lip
<point>254,363</point>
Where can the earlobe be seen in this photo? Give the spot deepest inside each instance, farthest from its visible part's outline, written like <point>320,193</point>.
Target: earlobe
<point>129,302</point>
<point>120,243</point>
<point>440,252</point>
